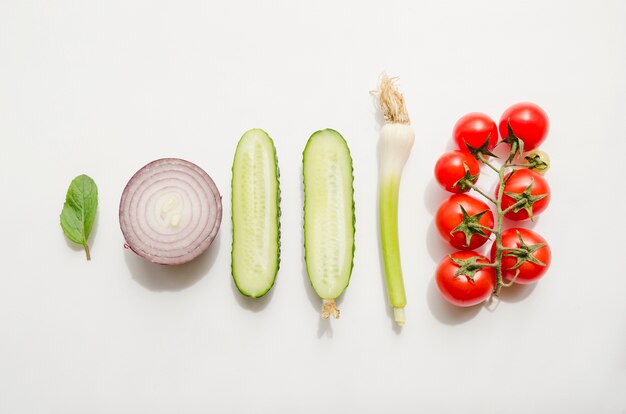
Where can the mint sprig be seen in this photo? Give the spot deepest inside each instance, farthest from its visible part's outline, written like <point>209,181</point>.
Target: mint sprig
<point>79,211</point>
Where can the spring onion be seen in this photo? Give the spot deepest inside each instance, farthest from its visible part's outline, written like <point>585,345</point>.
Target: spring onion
<point>396,141</point>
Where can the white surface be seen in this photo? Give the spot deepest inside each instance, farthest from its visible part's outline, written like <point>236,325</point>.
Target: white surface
<point>103,87</point>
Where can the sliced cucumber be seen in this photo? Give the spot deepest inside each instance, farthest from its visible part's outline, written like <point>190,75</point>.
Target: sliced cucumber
<point>255,214</point>
<point>328,216</point>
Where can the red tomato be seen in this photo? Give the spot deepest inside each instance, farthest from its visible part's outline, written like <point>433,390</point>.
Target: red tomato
<point>464,236</point>
<point>530,270</point>
<point>450,168</point>
<point>529,123</point>
<point>471,287</point>
<point>530,186</point>
<point>473,129</point>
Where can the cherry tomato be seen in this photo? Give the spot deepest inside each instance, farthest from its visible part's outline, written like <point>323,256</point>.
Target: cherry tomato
<point>529,123</point>
<point>541,159</point>
<point>532,255</point>
<point>462,235</point>
<point>473,129</point>
<point>525,185</point>
<point>472,286</point>
<point>453,166</point>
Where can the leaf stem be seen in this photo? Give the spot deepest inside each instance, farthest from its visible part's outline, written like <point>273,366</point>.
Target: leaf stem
<point>87,253</point>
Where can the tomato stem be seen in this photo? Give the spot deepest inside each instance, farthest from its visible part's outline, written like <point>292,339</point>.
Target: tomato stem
<point>498,232</point>
<point>487,163</point>
<point>519,203</point>
<point>500,213</point>
<point>497,263</point>
<point>510,283</point>
<point>489,229</point>
<point>481,192</point>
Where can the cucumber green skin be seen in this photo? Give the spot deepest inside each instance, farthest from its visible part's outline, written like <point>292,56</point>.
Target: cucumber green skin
<point>341,141</point>
<point>232,261</point>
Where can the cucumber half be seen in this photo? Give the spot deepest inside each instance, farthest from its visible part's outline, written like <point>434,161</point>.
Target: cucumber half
<point>328,216</point>
<point>255,254</point>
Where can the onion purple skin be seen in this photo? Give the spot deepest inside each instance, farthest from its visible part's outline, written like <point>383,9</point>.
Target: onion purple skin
<point>181,176</point>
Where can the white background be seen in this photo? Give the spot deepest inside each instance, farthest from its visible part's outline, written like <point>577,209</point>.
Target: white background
<point>103,87</point>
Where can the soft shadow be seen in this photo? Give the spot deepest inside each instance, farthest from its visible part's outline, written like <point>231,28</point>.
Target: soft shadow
<point>74,246</point>
<point>324,328</point>
<point>160,278</point>
<point>516,293</point>
<point>437,247</point>
<point>252,304</point>
<point>527,224</point>
<point>502,152</point>
<point>445,312</point>
<point>434,195</point>
<point>451,145</point>
<point>492,303</point>
<point>94,230</point>
<point>493,189</point>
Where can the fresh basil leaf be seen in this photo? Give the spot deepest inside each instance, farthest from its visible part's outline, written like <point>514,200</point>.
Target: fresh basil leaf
<point>79,211</point>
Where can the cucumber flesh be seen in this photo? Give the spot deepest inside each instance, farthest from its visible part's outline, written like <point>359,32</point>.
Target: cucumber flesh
<point>328,215</point>
<point>255,254</point>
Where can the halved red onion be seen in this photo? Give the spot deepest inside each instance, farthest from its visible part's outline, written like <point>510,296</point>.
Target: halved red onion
<point>170,211</point>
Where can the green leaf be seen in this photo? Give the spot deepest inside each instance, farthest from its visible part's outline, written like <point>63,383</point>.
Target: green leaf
<point>79,211</point>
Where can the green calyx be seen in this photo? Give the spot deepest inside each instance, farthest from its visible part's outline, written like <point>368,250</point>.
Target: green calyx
<point>525,200</point>
<point>536,163</point>
<point>516,145</point>
<point>482,150</point>
<point>524,253</point>
<point>468,267</point>
<point>470,225</point>
<point>466,182</point>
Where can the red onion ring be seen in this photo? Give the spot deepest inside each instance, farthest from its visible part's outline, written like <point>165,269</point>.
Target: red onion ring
<point>170,211</point>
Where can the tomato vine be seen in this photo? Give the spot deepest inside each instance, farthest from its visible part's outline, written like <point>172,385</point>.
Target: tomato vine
<point>518,255</point>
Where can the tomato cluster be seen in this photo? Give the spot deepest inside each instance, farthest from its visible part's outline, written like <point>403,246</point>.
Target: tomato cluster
<point>467,278</point>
